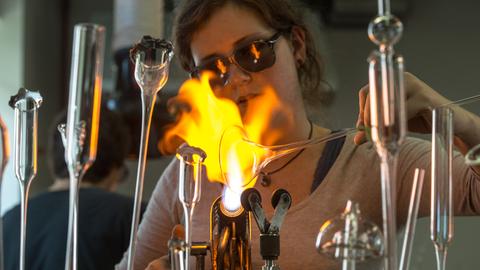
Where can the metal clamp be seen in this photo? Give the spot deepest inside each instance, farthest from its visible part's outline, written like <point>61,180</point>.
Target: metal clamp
<point>269,231</point>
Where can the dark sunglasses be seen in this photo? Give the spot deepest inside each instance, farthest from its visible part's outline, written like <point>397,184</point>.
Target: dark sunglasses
<point>253,57</point>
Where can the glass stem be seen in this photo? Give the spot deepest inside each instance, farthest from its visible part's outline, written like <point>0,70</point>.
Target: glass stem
<point>188,212</point>
<point>23,222</point>
<point>348,264</point>
<point>441,255</point>
<point>72,238</point>
<point>388,169</point>
<point>148,102</point>
<point>383,7</point>
<point>441,226</point>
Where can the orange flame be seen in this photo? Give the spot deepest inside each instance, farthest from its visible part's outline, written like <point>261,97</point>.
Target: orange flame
<point>254,51</point>
<point>202,120</point>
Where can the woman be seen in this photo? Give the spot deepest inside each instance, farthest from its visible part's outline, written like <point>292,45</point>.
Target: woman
<point>320,179</point>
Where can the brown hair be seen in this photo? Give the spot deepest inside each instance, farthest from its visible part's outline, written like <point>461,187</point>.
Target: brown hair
<point>280,15</point>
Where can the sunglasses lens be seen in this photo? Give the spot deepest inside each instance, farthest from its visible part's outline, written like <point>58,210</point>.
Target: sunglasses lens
<point>219,67</point>
<point>255,57</point>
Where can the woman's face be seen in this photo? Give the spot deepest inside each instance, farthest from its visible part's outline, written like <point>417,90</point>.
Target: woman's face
<point>229,28</point>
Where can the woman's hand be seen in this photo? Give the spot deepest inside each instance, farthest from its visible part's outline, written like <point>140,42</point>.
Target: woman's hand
<point>420,100</point>
<point>159,264</point>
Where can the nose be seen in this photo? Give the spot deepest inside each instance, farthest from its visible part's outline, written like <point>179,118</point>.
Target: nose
<point>238,76</point>
<point>236,80</point>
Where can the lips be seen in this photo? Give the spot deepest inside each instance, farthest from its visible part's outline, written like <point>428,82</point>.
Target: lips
<point>243,101</point>
<point>246,99</point>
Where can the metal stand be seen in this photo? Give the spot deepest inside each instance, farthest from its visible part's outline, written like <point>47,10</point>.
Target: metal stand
<point>269,232</point>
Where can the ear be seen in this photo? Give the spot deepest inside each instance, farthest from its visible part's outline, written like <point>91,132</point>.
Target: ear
<point>299,45</point>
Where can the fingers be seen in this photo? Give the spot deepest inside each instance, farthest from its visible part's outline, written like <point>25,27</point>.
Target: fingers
<point>178,232</point>
<point>366,112</point>
<point>359,138</point>
<point>420,99</point>
<point>363,115</point>
<point>362,94</point>
<point>159,264</point>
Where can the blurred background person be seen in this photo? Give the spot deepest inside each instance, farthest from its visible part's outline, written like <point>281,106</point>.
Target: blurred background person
<point>104,216</point>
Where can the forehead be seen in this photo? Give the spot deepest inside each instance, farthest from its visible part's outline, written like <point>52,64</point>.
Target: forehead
<point>226,26</point>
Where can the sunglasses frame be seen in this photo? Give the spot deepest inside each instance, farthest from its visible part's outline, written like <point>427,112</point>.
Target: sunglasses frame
<point>195,73</point>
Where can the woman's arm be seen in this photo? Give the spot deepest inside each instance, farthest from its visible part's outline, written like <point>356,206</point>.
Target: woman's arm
<point>420,100</point>
<point>162,214</point>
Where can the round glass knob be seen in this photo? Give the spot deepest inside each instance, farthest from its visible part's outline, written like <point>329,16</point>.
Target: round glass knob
<point>385,30</point>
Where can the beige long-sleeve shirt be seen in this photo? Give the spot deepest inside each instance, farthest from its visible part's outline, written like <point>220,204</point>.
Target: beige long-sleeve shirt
<point>355,175</point>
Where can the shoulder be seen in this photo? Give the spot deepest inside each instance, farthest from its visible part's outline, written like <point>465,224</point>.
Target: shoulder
<point>169,179</point>
<point>416,145</point>
<point>351,151</point>
<point>166,189</point>
<point>171,171</point>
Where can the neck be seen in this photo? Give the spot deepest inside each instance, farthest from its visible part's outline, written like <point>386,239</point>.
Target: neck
<point>299,131</point>
<point>293,124</point>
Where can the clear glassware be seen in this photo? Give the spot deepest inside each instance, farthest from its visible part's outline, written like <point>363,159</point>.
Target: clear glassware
<point>80,133</point>
<point>387,114</point>
<point>25,104</point>
<point>234,143</point>
<point>152,60</point>
<point>350,238</point>
<point>415,196</point>
<point>5,151</point>
<point>441,212</point>
<point>189,189</point>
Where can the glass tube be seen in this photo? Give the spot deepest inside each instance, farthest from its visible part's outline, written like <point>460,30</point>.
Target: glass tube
<point>189,189</point>
<point>387,114</point>
<point>5,150</point>
<point>25,104</point>
<point>234,143</point>
<point>80,134</point>
<point>388,131</point>
<point>152,60</point>
<point>415,196</point>
<point>463,101</point>
<point>441,213</point>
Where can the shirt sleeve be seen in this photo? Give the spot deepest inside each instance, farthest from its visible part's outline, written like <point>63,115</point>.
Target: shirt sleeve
<point>162,214</point>
<point>416,153</point>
